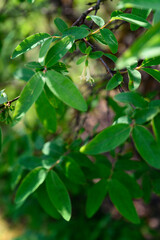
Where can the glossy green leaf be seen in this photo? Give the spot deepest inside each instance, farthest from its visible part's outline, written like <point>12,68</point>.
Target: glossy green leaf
<point>146,114</point>
<point>145,4</point>
<point>76,32</point>
<point>44,49</point>
<point>134,19</point>
<point>134,79</point>
<point>146,146</point>
<point>96,54</point>
<point>151,62</point>
<point>107,140</point>
<point>110,56</point>
<point>58,195</point>
<point>98,37</point>
<point>156,17</point>
<point>122,200</point>
<point>131,98</point>
<point>81,59</point>
<point>141,13</point>
<point>65,90</point>
<point>97,20</point>
<point>114,81</point>
<point>82,47</point>
<point>29,43</point>
<point>29,95</point>
<point>147,46</point>
<point>72,170</point>
<point>33,65</point>
<point>30,183</point>
<point>60,24</point>
<point>43,107</point>
<point>110,39</point>
<point>58,50</point>
<point>45,202</point>
<point>153,72</point>
<point>95,197</point>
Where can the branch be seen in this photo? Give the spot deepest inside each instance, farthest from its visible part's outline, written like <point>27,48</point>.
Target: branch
<point>9,102</point>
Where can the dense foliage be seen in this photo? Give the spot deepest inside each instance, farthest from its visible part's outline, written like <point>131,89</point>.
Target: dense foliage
<point>58,166</point>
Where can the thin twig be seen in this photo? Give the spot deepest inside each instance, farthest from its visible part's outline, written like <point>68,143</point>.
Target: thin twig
<point>9,102</point>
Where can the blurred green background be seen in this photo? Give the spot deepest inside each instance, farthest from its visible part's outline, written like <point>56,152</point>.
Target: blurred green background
<point>19,19</point>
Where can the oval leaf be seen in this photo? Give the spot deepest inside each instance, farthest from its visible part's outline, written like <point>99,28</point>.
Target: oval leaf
<point>134,79</point>
<point>29,95</point>
<point>30,183</point>
<point>58,50</point>
<point>110,39</point>
<point>60,24</point>
<point>46,203</point>
<point>114,81</point>
<point>153,72</point>
<point>44,49</point>
<point>97,20</point>
<point>122,200</point>
<point>76,32</point>
<point>65,90</point>
<point>58,195</point>
<point>107,140</point>
<point>29,43</point>
<point>46,113</point>
<point>146,146</point>
<point>95,197</point>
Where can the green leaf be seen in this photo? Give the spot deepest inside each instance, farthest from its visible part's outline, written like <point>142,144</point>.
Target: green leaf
<point>134,79</point>
<point>110,39</point>
<point>98,37</point>
<point>147,187</point>
<point>0,140</point>
<point>96,54</point>
<point>95,197</point>
<point>82,47</point>
<point>24,74</point>
<point>110,56</point>
<point>3,97</point>
<point>30,183</point>
<point>97,20</point>
<point>58,195</point>
<point>122,200</point>
<point>131,98</point>
<point>44,49</point>
<point>81,59</point>
<point>156,127</point>
<point>152,72</point>
<point>76,32</point>
<point>146,146</point>
<point>156,17</point>
<point>145,115</point>
<point>29,43</point>
<point>30,162</point>
<point>33,65</point>
<point>151,62</point>
<point>29,95</point>
<point>107,140</point>
<point>147,46</point>
<point>60,24</point>
<point>141,13</point>
<point>65,90</point>
<point>114,81</point>
<point>72,170</point>
<point>45,202</point>
<point>139,4</point>
<point>129,182</point>
<point>58,51</point>
<point>42,107</point>
<point>131,18</point>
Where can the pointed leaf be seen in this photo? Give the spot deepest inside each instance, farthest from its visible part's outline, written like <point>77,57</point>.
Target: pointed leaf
<point>58,50</point>
<point>134,79</point>
<point>141,13</point>
<point>146,146</point>
<point>122,200</point>
<point>29,95</point>
<point>76,32</point>
<point>153,72</point>
<point>144,115</point>
<point>30,183</point>
<point>97,20</point>
<point>44,49</point>
<point>110,39</point>
<point>42,107</point>
<point>65,90</point>
<point>58,195</point>
<point>151,62</point>
<point>107,140</point>
<point>95,197</point>
<point>139,4</point>
<point>29,43</point>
